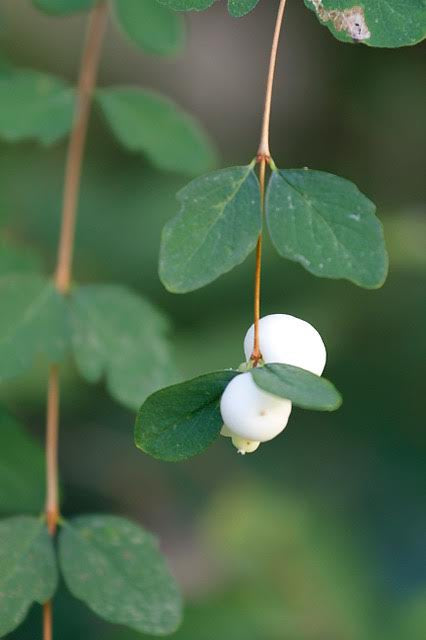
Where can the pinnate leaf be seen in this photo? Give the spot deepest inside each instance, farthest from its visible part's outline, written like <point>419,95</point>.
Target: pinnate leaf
<point>33,321</point>
<point>115,567</point>
<point>303,388</point>
<point>181,421</point>
<point>146,122</point>
<point>154,28</point>
<point>118,334</point>
<point>326,224</point>
<point>187,5</point>
<point>239,8</point>
<point>63,7</point>
<point>216,228</point>
<point>378,23</point>
<point>27,568</point>
<point>34,106</point>
<point>21,469</point>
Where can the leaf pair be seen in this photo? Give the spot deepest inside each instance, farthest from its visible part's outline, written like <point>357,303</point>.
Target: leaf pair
<point>317,219</point>
<point>181,421</point>
<point>111,331</point>
<point>111,564</point>
<point>39,106</point>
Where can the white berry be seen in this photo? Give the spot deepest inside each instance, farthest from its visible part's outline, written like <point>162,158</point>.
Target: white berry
<point>250,413</point>
<point>288,340</point>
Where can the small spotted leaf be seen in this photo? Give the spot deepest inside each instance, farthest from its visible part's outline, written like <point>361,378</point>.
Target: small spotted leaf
<point>327,225</point>
<point>116,568</point>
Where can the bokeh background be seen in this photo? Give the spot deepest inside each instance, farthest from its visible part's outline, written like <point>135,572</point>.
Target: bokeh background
<point>320,535</point>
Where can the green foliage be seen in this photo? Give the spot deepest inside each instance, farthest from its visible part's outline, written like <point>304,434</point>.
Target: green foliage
<point>27,568</point>
<point>62,7</point>
<point>381,23</point>
<point>21,469</point>
<point>15,259</point>
<point>216,228</point>
<point>34,105</point>
<point>114,566</point>
<point>304,389</point>
<point>238,8</point>
<point>181,421</point>
<point>326,224</point>
<point>119,334</point>
<point>33,321</point>
<point>187,5</point>
<point>151,26</point>
<point>146,122</point>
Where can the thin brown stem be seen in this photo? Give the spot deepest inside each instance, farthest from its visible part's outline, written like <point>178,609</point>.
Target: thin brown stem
<point>264,156</point>
<point>86,84</point>
<point>256,355</point>
<point>47,621</point>
<point>263,150</point>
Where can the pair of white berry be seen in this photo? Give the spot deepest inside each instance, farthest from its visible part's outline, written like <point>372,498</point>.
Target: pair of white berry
<point>251,415</point>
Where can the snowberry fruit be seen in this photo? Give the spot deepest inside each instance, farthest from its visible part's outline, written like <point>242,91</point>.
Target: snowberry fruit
<point>250,413</point>
<point>288,340</point>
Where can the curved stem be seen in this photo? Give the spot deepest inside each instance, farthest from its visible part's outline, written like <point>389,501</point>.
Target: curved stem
<point>86,84</point>
<point>263,150</point>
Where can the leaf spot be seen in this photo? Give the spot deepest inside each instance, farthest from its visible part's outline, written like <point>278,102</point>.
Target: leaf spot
<point>351,20</point>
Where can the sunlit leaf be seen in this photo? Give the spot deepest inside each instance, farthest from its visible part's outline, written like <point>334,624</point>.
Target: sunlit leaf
<point>181,421</point>
<point>187,5</point>
<point>27,568</point>
<point>327,225</point>
<point>115,567</point>
<point>216,228</point>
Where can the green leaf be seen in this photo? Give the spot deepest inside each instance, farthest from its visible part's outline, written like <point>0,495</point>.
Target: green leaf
<point>21,469</point>
<point>303,388</point>
<point>35,106</point>
<point>326,224</point>
<point>118,334</point>
<point>181,421</point>
<point>146,122</point>
<point>151,26</point>
<point>216,228</point>
<point>187,5</point>
<point>15,259</point>
<point>33,321</point>
<point>377,23</point>
<point>115,567</point>
<point>27,569</point>
<point>63,7</point>
<point>239,8</point>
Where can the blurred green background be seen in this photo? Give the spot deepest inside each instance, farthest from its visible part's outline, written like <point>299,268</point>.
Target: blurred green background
<point>320,535</point>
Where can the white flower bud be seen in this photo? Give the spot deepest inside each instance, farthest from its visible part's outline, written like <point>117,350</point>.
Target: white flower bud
<point>250,413</point>
<point>288,340</point>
